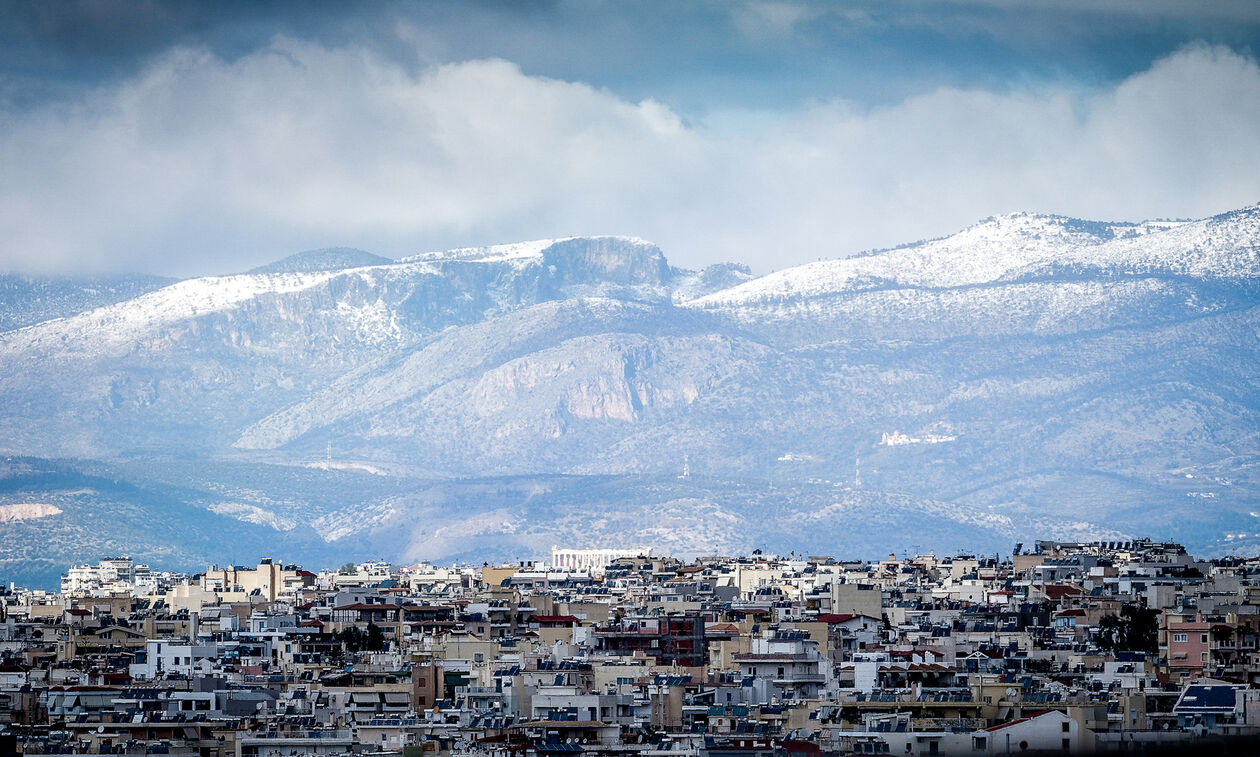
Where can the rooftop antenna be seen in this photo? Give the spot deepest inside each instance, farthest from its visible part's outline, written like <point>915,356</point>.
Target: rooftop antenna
<point>686,471</point>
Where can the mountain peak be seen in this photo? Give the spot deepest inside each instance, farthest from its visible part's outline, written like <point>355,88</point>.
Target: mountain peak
<point>617,260</point>
<point>324,259</point>
<point>534,248</point>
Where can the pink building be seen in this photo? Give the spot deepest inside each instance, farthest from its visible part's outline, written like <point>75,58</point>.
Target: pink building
<point>1186,639</point>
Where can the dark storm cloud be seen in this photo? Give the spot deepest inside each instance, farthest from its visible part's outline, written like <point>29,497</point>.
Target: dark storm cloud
<point>695,56</point>
<point>55,49</point>
<point>194,138</point>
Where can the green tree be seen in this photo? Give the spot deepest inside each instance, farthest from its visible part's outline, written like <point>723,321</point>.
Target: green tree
<point>1135,629</point>
<point>1143,630</point>
<point>352,639</point>
<point>375,640</point>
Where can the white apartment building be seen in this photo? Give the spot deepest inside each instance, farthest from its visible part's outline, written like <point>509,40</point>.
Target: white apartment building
<point>591,561</point>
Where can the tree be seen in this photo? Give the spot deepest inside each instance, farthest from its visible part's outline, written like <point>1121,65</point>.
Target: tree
<point>1109,633</point>
<point>375,640</point>
<point>1135,629</point>
<point>1143,628</point>
<point>352,638</point>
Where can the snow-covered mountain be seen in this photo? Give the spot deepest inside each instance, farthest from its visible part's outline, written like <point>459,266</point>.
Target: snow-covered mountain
<point>326,259</point>
<point>26,300</point>
<point>1041,376</point>
<point>1024,246</point>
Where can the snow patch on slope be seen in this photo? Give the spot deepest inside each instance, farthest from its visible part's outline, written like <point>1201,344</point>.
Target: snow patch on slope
<point>898,439</point>
<point>514,251</point>
<point>531,250</point>
<point>253,514</point>
<point>331,465</point>
<point>27,511</point>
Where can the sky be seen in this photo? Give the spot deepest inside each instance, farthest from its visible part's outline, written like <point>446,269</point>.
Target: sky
<point>185,138</point>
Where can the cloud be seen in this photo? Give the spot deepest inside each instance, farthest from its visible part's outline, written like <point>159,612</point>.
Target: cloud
<point>200,164</point>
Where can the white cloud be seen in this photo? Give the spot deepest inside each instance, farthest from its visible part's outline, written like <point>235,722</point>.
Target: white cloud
<point>202,165</point>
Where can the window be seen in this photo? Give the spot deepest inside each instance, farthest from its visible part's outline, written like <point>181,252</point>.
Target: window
<point>1180,637</point>
<point>1203,638</point>
<point>1066,726</point>
<point>1067,745</point>
<point>1203,656</point>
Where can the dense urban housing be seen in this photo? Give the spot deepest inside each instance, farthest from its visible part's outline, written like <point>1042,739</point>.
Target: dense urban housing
<point>1065,647</point>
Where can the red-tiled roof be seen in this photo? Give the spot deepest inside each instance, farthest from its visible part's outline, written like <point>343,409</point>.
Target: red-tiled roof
<point>831,617</point>
<point>1058,591</point>
<point>992,654</point>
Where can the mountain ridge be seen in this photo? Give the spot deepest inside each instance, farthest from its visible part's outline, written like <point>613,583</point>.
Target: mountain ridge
<point>1008,253</point>
<point>1063,385</point>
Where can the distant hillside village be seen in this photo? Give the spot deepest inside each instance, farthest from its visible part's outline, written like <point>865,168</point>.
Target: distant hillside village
<point>1066,648</point>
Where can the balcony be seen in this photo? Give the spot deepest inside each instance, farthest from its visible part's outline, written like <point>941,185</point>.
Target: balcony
<point>285,736</point>
<point>785,657</point>
<point>799,679</point>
